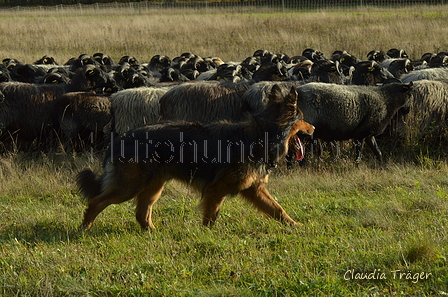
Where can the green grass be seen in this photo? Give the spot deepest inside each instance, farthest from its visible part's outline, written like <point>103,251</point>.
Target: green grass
<point>356,219</point>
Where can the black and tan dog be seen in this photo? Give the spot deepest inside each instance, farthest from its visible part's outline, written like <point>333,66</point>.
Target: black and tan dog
<point>217,159</point>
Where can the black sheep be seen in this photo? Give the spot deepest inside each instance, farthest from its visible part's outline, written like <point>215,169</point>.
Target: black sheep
<point>26,112</point>
<point>80,119</point>
<point>369,73</point>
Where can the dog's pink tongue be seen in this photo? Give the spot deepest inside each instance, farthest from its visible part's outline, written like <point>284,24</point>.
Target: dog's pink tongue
<point>300,152</point>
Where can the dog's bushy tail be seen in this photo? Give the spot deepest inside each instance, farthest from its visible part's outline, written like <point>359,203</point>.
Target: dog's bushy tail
<point>88,183</point>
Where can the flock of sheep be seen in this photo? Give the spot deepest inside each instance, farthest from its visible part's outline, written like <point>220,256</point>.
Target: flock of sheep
<point>81,104</point>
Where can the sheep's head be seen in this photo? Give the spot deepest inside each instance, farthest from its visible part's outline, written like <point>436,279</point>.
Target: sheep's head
<point>103,59</point>
<point>327,71</point>
<point>47,60</point>
<point>160,62</point>
<point>378,56</point>
<point>55,78</point>
<point>272,72</point>
<point>370,73</point>
<point>397,53</point>
<point>398,94</point>
<point>313,54</point>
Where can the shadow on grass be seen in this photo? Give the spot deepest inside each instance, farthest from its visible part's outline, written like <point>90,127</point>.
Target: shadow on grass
<point>54,232</point>
<point>49,232</point>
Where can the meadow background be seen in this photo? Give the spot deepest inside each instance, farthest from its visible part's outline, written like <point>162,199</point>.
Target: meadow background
<point>366,219</point>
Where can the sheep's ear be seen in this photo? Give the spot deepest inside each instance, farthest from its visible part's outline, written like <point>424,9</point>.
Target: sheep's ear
<point>276,94</point>
<point>349,77</point>
<point>407,87</point>
<point>408,63</point>
<point>279,67</point>
<point>52,79</point>
<point>90,72</point>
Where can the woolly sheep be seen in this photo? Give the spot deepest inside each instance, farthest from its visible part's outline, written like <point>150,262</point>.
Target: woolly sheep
<point>25,113</point>
<point>341,112</point>
<point>27,109</point>
<point>427,119</point>
<point>204,102</point>
<point>80,118</point>
<point>135,107</point>
<point>428,74</point>
<point>256,96</point>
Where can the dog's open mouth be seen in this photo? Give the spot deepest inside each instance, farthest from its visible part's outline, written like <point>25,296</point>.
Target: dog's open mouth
<point>299,149</point>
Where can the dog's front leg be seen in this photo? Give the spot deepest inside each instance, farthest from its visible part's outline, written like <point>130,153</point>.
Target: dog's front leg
<point>259,196</point>
<point>212,199</point>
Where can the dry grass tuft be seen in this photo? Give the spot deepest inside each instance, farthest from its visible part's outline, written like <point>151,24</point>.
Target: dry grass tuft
<point>422,251</point>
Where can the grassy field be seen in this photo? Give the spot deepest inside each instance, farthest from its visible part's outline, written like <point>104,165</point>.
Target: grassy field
<point>368,230</point>
<point>358,222</point>
<point>28,36</point>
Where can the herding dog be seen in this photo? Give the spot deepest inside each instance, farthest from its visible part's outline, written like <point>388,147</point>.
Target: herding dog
<point>216,159</point>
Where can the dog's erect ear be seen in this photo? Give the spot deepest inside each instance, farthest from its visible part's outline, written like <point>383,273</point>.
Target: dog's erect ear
<point>275,95</point>
<point>291,98</point>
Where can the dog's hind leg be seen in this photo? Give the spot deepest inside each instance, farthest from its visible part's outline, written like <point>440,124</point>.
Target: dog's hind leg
<point>115,195</point>
<point>119,184</point>
<point>259,196</point>
<point>145,200</point>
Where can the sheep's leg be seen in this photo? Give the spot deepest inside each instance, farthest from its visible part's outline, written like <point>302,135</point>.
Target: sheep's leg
<point>337,149</point>
<point>358,149</point>
<point>321,147</point>
<point>289,158</point>
<point>312,145</point>
<point>371,142</point>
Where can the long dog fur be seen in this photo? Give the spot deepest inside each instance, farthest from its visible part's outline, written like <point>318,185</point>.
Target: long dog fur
<point>217,159</point>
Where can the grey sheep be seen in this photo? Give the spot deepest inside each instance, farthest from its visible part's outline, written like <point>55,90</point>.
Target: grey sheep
<point>135,107</point>
<point>428,74</point>
<point>258,93</point>
<point>341,112</point>
<point>204,102</point>
<point>427,119</point>
<point>27,110</point>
